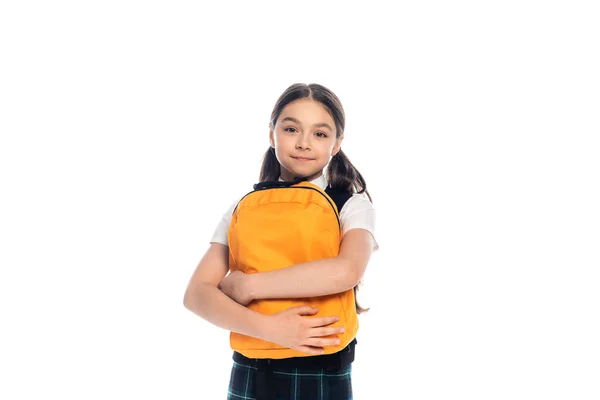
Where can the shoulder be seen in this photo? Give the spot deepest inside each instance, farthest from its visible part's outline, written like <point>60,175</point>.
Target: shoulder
<point>358,213</point>
<point>233,205</point>
<point>220,232</point>
<point>358,202</point>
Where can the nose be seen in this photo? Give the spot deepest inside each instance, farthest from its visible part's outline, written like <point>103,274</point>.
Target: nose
<point>303,142</point>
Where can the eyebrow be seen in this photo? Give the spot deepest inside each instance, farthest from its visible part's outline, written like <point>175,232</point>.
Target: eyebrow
<point>320,125</point>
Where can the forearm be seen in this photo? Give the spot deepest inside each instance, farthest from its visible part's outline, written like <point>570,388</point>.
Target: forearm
<point>309,279</point>
<point>211,304</point>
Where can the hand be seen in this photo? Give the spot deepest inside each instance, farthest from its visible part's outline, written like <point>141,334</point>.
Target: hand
<point>309,335</point>
<point>234,285</point>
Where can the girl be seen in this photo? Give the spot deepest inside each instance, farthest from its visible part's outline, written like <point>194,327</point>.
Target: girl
<point>306,133</point>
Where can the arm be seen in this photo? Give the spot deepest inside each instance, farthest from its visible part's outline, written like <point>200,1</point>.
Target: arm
<point>204,299</point>
<point>315,278</point>
<point>289,328</point>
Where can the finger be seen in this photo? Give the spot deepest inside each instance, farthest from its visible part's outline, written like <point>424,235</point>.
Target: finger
<point>321,342</point>
<point>333,330</point>
<point>305,310</point>
<point>310,350</point>
<point>323,321</point>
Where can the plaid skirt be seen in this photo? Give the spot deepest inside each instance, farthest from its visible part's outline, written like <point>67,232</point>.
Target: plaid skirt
<point>289,383</point>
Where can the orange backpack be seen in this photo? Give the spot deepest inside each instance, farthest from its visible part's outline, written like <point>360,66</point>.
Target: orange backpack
<point>280,224</point>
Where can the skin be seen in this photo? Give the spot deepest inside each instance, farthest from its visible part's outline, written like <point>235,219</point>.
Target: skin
<point>303,146</point>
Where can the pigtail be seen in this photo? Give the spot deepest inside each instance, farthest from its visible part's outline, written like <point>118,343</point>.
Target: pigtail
<point>359,309</point>
<point>270,169</point>
<point>342,174</point>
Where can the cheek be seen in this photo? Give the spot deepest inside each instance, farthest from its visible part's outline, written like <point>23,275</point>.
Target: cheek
<point>329,149</point>
<point>282,140</point>
<point>283,145</point>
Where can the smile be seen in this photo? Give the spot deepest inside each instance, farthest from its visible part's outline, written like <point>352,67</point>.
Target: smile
<point>303,159</point>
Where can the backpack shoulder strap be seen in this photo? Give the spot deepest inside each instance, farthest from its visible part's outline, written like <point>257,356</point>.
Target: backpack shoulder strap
<point>339,196</point>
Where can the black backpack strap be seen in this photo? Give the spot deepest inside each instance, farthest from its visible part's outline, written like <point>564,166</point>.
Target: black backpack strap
<point>339,196</point>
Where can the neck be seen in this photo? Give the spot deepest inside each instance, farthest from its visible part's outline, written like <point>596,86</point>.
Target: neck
<point>286,176</point>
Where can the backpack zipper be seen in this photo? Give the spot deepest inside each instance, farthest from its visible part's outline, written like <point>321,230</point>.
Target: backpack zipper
<point>294,187</point>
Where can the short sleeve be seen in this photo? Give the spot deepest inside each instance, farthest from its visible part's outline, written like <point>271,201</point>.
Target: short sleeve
<point>220,234</point>
<point>358,212</point>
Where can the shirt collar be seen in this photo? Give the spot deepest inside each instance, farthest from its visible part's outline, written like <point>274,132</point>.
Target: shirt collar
<point>320,181</point>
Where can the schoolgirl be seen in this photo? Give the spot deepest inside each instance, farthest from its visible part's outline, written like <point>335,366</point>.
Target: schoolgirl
<point>277,274</point>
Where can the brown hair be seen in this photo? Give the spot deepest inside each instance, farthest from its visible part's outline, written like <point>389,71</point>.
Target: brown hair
<point>340,173</point>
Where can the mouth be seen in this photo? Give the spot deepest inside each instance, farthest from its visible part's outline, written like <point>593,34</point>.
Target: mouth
<point>303,158</point>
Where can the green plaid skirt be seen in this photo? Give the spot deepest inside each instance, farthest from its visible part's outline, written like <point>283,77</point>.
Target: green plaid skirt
<point>289,383</point>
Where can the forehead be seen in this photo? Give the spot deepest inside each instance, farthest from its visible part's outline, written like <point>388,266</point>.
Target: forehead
<point>307,111</point>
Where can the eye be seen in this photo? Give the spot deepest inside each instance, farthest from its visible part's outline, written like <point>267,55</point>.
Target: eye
<point>323,134</point>
<point>288,129</point>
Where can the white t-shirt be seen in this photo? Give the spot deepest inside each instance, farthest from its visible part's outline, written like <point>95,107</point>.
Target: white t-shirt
<point>357,212</point>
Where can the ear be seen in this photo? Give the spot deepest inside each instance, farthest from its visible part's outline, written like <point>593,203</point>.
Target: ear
<point>338,146</point>
<point>271,136</point>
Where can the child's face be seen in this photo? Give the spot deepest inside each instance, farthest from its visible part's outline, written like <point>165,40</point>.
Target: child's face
<point>303,143</point>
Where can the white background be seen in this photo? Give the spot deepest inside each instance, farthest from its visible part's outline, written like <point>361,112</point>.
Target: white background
<point>129,127</point>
